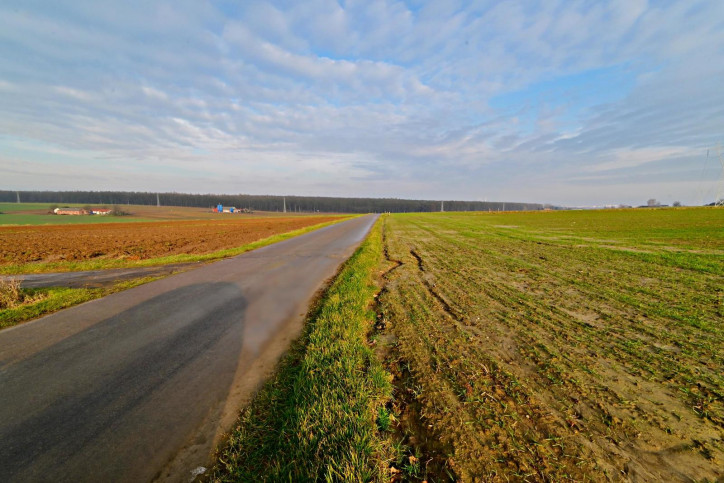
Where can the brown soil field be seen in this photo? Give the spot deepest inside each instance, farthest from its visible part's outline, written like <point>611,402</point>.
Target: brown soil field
<point>139,241</point>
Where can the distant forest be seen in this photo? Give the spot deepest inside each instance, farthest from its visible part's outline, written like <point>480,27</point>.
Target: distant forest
<point>302,204</point>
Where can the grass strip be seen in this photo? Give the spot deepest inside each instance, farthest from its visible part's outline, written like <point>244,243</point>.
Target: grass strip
<point>317,419</point>
<point>43,301</point>
<point>103,264</point>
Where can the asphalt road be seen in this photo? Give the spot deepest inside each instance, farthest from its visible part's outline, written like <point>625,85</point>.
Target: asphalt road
<point>140,385</point>
<point>95,278</point>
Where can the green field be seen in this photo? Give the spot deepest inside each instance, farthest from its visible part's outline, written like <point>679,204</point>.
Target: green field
<point>581,345</point>
<point>14,207</point>
<point>37,214</point>
<point>31,219</point>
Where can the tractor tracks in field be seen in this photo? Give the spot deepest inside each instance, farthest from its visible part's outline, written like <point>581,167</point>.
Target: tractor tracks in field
<point>444,304</point>
<point>422,454</point>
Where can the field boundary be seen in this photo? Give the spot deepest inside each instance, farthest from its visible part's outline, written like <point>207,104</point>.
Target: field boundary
<point>322,415</point>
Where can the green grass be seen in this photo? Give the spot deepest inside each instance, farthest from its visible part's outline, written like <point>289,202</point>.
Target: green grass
<point>562,345</point>
<point>104,263</point>
<point>43,301</point>
<point>9,215</point>
<point>653,228</point>
<point>13,207</point>
<point>317,419</point>
<point>31,219</point>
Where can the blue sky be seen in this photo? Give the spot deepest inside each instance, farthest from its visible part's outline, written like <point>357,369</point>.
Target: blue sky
<point>566,102</point>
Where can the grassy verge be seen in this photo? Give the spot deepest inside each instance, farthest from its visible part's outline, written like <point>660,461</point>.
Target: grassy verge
<point>321,416</point>
<point>43,301</point>
<point>102,263</point>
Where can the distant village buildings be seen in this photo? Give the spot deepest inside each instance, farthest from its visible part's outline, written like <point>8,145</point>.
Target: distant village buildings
<point>70,211</point>
<point>230,209</point>
<point>81,211</point>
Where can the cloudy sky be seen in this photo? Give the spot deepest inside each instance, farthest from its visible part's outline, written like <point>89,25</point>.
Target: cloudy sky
<point>567,102</point>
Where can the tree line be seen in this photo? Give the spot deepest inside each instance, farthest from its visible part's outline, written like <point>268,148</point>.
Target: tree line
<point>302,204</point>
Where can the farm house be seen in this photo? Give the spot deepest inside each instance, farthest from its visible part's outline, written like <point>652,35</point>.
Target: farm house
<point>81,211</point>
<point>70,211</point>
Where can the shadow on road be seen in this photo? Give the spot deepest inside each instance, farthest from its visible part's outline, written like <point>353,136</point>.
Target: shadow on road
<point>84,402</point>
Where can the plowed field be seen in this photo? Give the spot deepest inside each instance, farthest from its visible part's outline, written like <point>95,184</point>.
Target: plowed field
<point>138,241</point>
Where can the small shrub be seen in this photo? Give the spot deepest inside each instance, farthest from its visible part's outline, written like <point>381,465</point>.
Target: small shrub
<point>10,293</point>
<point>118,211</point>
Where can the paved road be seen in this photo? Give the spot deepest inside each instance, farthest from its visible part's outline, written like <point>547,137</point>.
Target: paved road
<point>140,385</point>
<point>95,278</point>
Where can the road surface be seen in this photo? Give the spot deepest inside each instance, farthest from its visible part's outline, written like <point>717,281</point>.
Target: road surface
<point>140,385</point>
<point>95,278</point>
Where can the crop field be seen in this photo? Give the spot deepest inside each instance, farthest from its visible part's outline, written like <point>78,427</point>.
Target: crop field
<point>40,214</point>
<point>26,249</point>
<point>557,346</point>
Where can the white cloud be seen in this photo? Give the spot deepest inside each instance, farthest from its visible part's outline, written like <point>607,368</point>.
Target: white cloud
<point>632,158</point>
<point>368,98</point>
<point>74,93</point>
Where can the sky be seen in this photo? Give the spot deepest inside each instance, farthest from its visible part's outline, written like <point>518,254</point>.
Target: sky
<point>576,103</point>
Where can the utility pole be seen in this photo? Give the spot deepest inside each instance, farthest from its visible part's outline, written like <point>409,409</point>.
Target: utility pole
<point>158,200</point>
<point>284,200</point>
<point>719,201</point>
<point>442,206</point>
<point>18,194</point>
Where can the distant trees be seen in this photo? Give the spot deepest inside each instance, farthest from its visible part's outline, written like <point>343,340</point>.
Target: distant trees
<point>653,202</point>
<point>677,203</point>
<point>297,204</point>
<point>118,211</point>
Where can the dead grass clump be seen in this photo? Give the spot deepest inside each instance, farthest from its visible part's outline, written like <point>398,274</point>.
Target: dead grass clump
<point>10,293</point>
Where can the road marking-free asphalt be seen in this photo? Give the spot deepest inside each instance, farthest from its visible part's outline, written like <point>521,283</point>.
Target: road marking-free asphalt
<point>139,385</point>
